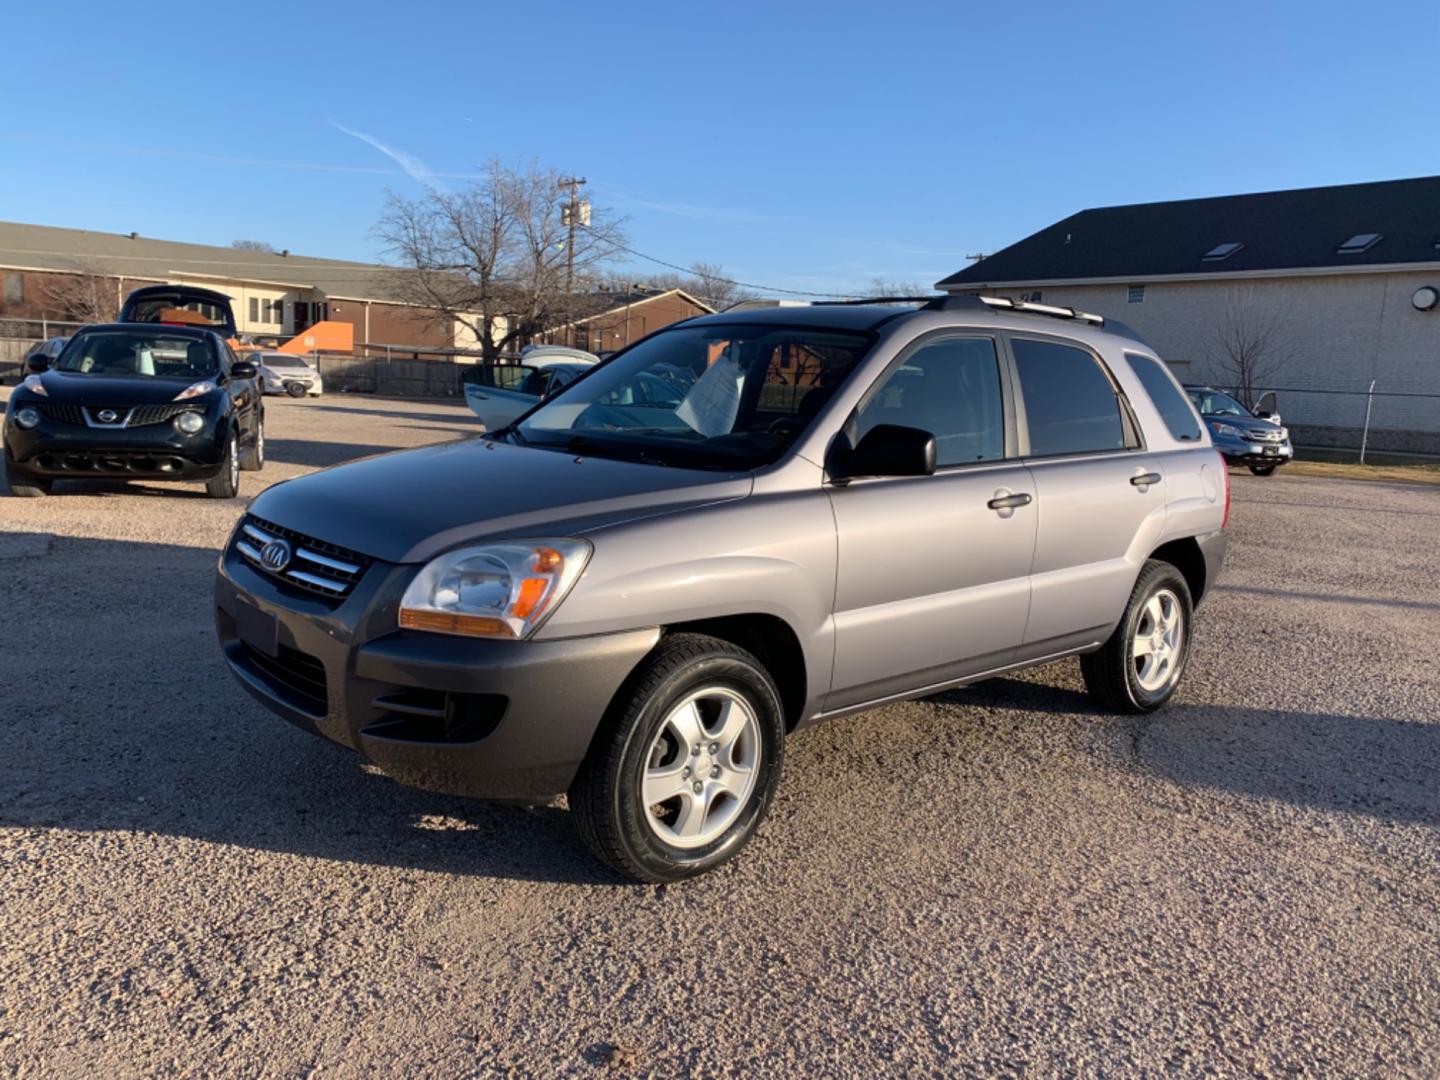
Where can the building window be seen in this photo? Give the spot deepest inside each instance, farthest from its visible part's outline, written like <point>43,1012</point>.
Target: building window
<point>14,288</point>
<point>1359,242</point>
<point>1221,252</point>
<point>254,309</point>
<point>1135,294</point>
<point>1030,297</point>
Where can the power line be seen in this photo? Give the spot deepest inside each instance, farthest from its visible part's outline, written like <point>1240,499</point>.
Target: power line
<point>728,281</point>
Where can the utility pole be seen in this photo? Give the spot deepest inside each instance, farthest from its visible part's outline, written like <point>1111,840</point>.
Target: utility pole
<point>573,213</point>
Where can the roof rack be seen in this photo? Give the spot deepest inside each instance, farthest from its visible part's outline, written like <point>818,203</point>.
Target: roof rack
<point>1027,307</point>
<point>974,303</point>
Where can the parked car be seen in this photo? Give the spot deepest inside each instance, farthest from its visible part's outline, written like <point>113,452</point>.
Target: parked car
<point>636,603</point>
<point>1252,438</point>
<point>284,373</point>
<point>498,393</point>
<point>134,401</point>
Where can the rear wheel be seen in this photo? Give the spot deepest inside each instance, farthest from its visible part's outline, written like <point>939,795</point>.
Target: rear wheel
<point>683,771</point>
<point>254,458</point>
<point>1138,669</point>
<point>227,484</point>
<point>1263,470</point>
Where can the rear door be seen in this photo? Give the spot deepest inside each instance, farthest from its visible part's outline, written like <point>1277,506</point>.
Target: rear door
<point>1101,495</point>
<point>933,581</point>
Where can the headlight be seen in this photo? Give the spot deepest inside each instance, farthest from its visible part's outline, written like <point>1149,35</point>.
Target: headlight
<point>27,417</point>
<point>1284,433</point>
<point>494,590</point>
<point>195,390</point>
<point>34,385</point>
<point>1229,429</point>
<point>188,423</point>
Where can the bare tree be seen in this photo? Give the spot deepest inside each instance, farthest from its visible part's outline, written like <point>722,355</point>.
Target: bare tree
<point>493,256</point>
<point>1250,345</point>
<point>705,281</point>
<point>879,287</point>
<point>253,245</point>
<point>84,294</point>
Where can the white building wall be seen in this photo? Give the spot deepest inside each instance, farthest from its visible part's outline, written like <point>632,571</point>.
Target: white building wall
<point>1340,331</point>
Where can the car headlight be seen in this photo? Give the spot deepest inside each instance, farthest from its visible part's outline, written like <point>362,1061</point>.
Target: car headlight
<point>195,390</point>
<point>1229,429</point>
<point>1284,433</point>
<point>27,417</point>
<point>499,590</point>
<point>34,384</point>
<point>188,423</point>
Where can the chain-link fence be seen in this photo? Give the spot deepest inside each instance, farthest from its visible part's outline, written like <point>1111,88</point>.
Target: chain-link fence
<point>1373,419</point>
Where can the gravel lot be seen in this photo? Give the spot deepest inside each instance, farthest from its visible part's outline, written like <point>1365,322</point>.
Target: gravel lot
<point>994,880</point>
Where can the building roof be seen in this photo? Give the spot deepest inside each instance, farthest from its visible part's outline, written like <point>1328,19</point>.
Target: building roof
<point>45,247</point>
<point>601,304</point>
<point>1277,230</point>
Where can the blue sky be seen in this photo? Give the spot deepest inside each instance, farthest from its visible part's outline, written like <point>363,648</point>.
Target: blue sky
<point>805,146</point>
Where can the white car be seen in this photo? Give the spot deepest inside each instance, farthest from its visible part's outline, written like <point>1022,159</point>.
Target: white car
<point>282,373</point>
<point>498,393</point>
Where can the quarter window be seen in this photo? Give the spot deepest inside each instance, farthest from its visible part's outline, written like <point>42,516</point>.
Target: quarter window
<point>1171,404</point>
<point>1070,404</point>
<point>951,388</point>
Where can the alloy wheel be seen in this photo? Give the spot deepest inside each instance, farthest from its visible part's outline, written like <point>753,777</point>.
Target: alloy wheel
<point>1158,641</point>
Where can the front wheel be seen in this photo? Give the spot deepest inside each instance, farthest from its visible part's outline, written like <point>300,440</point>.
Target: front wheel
<point>1138,669</point>
<point>684,768</point>
<point>1263,470</point>
<point>227,484</point>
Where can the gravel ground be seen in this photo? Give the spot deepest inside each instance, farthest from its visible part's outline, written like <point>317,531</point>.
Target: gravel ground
<point>994,880</point>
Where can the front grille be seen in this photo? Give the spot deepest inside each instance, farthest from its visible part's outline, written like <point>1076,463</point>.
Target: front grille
<point>295,677</point>
<point>140,462</point>
<point>144,415</point>
<point>1264,436</point>
<point>315,566</point>
<point>65,414</point>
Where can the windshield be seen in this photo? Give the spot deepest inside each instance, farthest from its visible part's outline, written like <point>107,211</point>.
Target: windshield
<point>152,353</point>
<point>282,361</point>
<point>1216,403</point>
<point>721,396</point>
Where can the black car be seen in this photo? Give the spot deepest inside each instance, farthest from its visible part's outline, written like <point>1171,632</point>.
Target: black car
<point>164,399</point>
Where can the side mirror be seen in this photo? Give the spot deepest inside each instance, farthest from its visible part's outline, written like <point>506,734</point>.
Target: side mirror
<point>37,363</point>
<point>243,369</point>
<point>888,450</point>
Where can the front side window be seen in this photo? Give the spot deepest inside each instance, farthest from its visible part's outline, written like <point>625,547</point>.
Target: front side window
<point>949,387</point>
<point>1070,404</point>
<point>719,396</point>
<point>153,354</point>
<point>1166,396</point>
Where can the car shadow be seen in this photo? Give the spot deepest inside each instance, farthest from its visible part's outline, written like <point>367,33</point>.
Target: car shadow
<point>1379,766</point>
<point>461,411</point>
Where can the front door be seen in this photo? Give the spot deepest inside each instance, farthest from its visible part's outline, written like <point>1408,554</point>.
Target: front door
<point>932,582</point>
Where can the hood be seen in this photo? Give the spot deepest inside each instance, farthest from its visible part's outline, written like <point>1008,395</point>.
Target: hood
<point>72,388</point>
<point>411,505</point>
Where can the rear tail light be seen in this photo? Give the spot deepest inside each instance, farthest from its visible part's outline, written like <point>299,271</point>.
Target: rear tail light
<point>1225,476</point>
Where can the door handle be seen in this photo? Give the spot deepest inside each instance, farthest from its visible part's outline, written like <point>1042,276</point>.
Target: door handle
<point>1008,502</point>
<point>1145,479</point>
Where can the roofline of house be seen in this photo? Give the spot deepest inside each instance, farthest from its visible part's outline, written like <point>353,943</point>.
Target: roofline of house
<point>1214,275</point>
<point>634,304</point>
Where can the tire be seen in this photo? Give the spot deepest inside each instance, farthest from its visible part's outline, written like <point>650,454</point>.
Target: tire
<point>1263,470</point>
<point>295,389</point>
<point>227,484</point>
<point>25,486</point>
<point>663,841</point>
<point>1116,675</point>
<point>253,460</point>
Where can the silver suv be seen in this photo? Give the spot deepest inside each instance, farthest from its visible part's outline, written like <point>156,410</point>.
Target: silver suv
<point>740,526</point>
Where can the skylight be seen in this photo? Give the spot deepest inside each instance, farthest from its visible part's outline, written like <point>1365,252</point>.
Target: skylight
<point>1221,251</point>
<point>1359,242</point>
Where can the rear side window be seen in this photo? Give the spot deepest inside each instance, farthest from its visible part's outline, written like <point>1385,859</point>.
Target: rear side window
<point>1070,405</point>
<point>1179,417</point>
<point>951,388</point>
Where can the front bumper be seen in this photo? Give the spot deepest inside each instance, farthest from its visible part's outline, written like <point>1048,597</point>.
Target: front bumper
<point>500,720</point>
<point>155,451</point>
<point>1245,452</point>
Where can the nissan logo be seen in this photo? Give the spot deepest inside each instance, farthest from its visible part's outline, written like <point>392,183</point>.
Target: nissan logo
<point>108,416</point>
<point>275,556</point>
